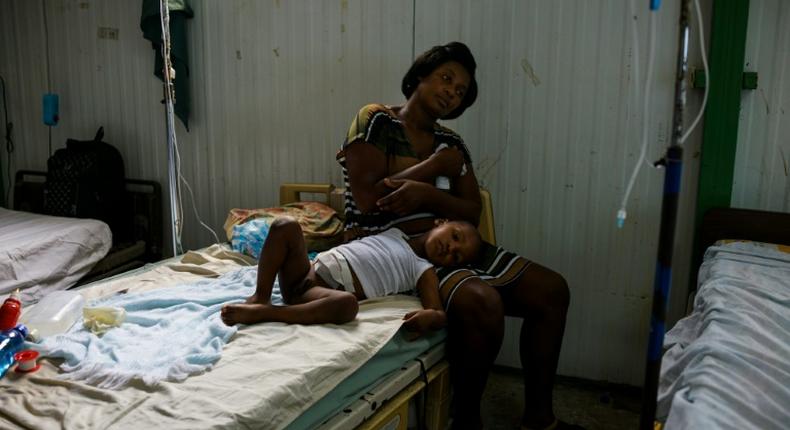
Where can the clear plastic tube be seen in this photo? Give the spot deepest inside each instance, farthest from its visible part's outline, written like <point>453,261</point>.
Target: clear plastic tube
<point>621,213</point>
<point>192,197</point>
<point>701,31</point>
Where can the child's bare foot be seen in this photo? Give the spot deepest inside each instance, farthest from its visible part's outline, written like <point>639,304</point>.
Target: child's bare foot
<point>243,313</point>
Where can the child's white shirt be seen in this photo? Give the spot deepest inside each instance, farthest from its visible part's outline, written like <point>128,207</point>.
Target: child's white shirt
<point>384,263</point>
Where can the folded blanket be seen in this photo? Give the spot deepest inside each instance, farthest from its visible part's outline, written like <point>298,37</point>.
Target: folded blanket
<point>168,334</point>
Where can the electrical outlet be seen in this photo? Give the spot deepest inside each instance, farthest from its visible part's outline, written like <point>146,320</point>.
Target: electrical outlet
<point>108,33</point>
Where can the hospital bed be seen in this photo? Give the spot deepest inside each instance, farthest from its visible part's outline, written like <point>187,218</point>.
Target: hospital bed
<point>40,253</point>
<point>43,253</point>
<point>727,364</point>
<point>376,395</point>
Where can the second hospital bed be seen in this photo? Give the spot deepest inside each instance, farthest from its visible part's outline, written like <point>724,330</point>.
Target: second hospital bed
<point>727,363</point>
<point>41,253</point>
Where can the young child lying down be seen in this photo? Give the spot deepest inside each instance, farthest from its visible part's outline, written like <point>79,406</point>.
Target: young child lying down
<point>327,291</point>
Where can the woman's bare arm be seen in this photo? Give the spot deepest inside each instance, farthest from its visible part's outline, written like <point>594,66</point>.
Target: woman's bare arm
<point>409,196</point>
<point>411,190</point>
<point>367,171</point>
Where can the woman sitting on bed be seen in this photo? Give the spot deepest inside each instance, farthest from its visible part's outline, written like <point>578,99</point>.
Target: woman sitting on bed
<point>327,290</point>
<point>403,169</point>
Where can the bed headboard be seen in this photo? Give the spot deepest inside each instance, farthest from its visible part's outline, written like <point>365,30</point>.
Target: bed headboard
<point>746,224</point>
<point>729,223</point>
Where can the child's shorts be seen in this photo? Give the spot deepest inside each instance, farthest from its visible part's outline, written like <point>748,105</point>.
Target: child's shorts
<point>333,268</point>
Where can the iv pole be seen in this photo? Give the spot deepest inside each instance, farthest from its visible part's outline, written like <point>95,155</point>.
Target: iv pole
<point>673,161</point>
<point>172,160</point>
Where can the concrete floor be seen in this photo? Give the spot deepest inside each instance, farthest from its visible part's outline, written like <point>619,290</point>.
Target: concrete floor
<point>589,404</point>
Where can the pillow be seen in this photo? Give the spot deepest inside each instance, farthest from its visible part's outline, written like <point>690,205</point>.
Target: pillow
<point>247,228</point>
<point>248,238</point>
<point>784,249</point>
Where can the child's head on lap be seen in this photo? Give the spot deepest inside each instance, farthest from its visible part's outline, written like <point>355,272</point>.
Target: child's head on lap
<point>452,243</point>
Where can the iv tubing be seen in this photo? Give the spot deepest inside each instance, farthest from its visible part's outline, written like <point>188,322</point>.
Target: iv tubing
<point>172,161</point>
<point>707,73</point>
<point>621,213</point>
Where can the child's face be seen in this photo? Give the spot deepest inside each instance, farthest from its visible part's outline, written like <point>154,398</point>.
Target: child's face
<point>452,244</point>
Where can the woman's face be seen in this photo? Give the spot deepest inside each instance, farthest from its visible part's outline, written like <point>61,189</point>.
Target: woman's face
<point>444,89</point>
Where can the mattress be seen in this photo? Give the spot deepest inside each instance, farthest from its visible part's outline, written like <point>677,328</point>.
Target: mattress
<point>40,253</point>
<point>387,363</point>
<point>269,374</point>
<point>728,363</point>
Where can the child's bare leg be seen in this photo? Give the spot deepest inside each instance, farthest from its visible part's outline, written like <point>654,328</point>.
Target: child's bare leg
<point>317,305</point>
<point>283,253</point>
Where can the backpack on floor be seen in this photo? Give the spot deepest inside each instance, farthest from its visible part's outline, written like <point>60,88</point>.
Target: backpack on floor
<point>86,180</point>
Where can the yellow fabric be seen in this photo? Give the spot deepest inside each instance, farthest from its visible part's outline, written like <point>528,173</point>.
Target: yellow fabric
<point>100,319</point>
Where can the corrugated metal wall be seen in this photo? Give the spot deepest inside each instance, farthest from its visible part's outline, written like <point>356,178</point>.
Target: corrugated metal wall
<point>555,136</point>
<point>275,84</point>
<point>762,164</point>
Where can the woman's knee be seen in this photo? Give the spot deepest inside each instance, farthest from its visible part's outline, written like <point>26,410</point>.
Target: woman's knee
<point>538,290</point>
<point>477,303</point>
<point>558,294</point>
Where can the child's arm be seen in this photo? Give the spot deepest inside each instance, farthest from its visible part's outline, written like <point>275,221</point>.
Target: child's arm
<point>432,317</point>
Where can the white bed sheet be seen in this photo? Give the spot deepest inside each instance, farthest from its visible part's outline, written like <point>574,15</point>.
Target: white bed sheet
<point>40,253</point>
<point>268,374</point>
<point>728,363</point>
